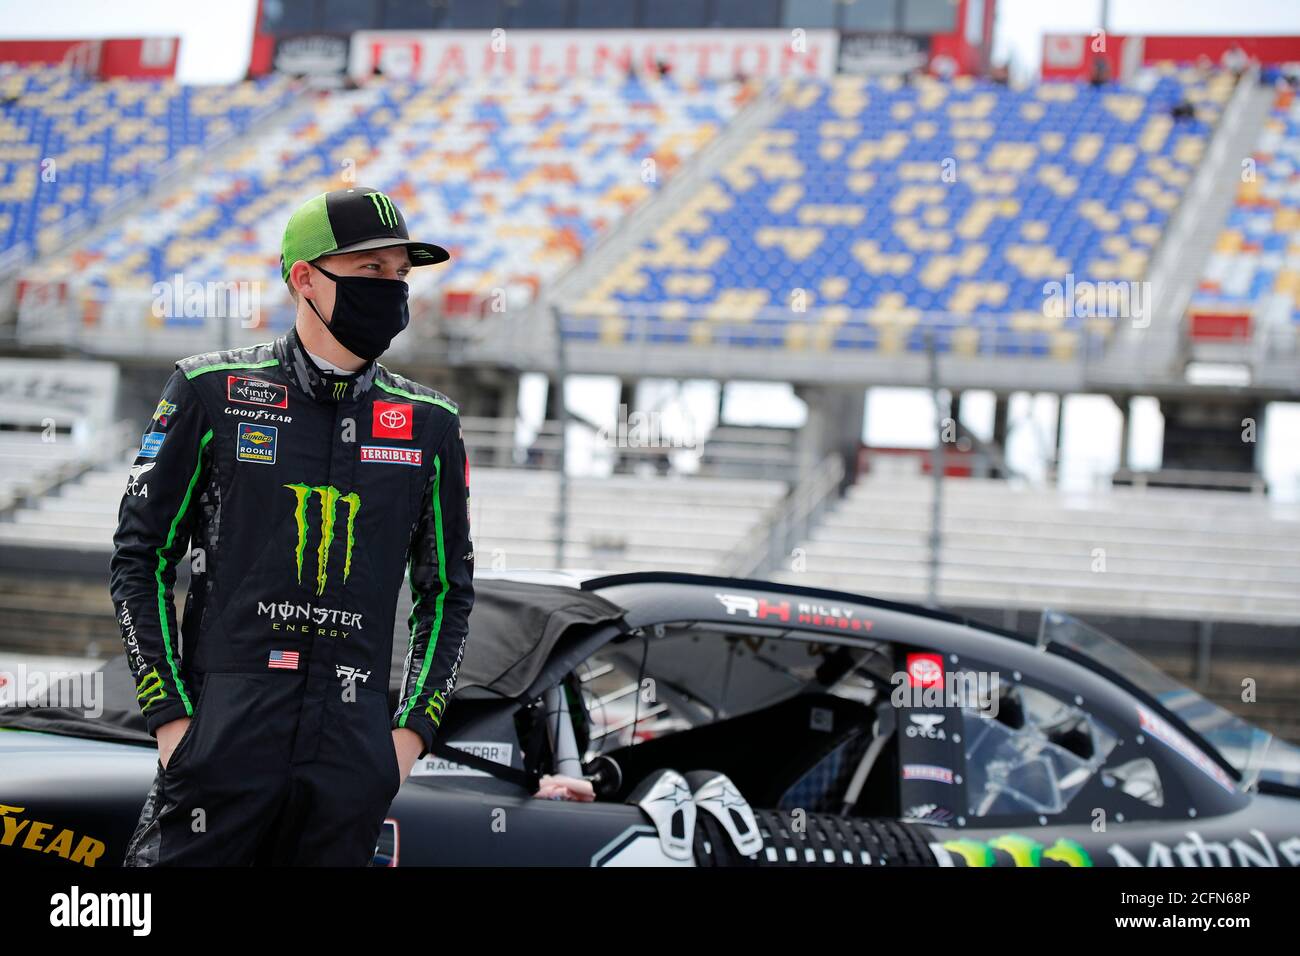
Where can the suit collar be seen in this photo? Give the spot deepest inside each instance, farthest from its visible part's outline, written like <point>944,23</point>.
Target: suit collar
<point>314,381</point>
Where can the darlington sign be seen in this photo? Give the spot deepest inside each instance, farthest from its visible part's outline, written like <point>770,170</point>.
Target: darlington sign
<point>543,54</point>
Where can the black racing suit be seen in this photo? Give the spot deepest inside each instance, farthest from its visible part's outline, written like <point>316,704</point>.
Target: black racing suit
<point>299,497</point>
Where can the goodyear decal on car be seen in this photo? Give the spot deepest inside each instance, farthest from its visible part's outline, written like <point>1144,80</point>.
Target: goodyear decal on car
<point>256,443</point>
<point>24,833</point>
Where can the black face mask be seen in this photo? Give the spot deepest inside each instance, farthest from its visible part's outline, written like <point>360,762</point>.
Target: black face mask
<point>368,312</point>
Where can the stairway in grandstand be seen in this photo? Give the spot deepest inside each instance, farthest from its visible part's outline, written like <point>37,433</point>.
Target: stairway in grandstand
<point>1156,343</point>
<point>1246,305</point>
<point>506,335</point>
<point>28,465</point>
<point>1155,552</point>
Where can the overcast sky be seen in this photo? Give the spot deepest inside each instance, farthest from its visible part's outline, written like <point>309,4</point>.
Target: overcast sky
<point>216,36</point>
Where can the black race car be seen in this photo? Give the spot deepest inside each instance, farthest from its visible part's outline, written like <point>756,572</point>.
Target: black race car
<point>732,722</point>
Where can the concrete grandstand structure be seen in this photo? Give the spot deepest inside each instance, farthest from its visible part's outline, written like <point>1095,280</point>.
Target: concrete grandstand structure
<point>1153,552</point>
<point>621,523</point>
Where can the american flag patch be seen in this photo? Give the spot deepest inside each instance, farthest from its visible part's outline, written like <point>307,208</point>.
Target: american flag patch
<point>284,660</point>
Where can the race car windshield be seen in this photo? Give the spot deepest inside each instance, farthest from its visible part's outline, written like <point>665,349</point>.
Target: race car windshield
<point>1254,752</point>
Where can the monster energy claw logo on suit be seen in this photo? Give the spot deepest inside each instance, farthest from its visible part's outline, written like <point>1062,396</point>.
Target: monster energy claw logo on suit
<point>437,703</point>
<point>150,689</point>
<point>329,497</point>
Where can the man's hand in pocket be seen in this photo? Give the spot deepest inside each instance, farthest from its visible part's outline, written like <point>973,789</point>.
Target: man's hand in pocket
<point>169,735</point>
<point>407,744</point>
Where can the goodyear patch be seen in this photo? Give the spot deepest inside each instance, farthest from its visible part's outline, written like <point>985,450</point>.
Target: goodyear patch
<point>152,442</point>
<point>256,443</point>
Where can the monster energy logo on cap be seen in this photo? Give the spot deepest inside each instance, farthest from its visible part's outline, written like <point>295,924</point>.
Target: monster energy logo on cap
<point>384,206</point>
<point>350,220</point>
<point>329,497</point>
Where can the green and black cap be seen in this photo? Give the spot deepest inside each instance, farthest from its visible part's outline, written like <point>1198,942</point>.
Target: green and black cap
<point>350,220</point>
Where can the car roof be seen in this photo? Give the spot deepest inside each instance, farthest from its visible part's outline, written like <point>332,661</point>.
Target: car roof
<point>569,577</point>
<point>589,579</point>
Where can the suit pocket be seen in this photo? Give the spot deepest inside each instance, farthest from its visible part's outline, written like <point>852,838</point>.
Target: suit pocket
<point>183,745</point>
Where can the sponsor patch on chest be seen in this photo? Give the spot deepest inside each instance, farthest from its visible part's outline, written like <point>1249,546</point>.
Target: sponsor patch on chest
<point>254,391</point>
<point>392,456</point>
<point>392,420</point>
<point>256,443</point>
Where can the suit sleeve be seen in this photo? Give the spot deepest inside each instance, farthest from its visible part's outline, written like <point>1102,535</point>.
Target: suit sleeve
<point>154,522</point>
<point>441,566</point>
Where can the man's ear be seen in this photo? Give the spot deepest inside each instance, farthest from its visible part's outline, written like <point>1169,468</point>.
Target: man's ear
<point>300,278</point>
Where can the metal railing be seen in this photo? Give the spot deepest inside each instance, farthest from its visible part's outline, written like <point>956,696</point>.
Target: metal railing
<point>771,326</point>
<point>494,442</point>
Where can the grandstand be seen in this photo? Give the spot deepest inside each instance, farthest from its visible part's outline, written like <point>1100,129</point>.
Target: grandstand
<point>916,206</point>
<point>620,523</point>
<point>1252,278</point>
<point>1153,552</point>
<point>518,179</point>
<point>74,149</point>
<point>838,226</point>
<point>29,467</point>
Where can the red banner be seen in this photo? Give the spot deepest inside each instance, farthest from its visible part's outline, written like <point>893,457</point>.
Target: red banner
<point>138,58</point>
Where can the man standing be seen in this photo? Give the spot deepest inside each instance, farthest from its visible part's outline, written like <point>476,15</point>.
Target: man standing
<point>308,476</point>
